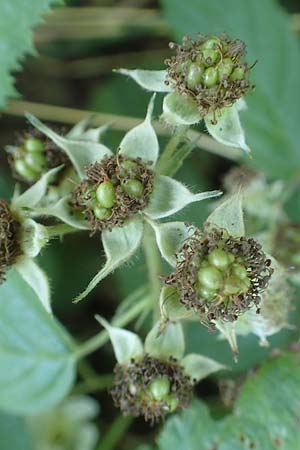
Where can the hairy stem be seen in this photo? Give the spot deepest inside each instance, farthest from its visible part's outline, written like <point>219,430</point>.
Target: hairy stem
<point>113,436</point>
<point>154,265</point>
<point>101,338</point>
<point>60,230</point>
<point>71,116</point>
<point>93,384</point>
<point>175,152</point>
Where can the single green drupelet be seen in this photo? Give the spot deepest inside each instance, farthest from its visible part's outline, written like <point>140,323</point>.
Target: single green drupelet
<point>219,275</point>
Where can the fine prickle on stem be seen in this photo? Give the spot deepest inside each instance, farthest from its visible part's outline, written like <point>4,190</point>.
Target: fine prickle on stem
<point>219,276</point>
<point>151,388</point>
<point>114,190</point>
<point>210,70</point>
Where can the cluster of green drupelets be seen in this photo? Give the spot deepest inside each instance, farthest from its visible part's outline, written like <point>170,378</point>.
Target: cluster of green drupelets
<point>159,390</point>
<point>210,67</point>
<point>29,160</point>
<point>209,70</point>
<point>222,274</point>
<point>103,197</point>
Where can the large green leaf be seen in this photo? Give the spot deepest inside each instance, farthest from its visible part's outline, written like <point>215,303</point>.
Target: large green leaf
<point>17,18</point>
<point>36,356</point>
<point>271,121</point>
<point>13,433</point>
<point>266,415</point>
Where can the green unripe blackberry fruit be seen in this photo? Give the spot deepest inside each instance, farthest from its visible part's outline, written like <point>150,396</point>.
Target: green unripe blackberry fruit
<point>194,75</point>
<point>210,77</point>
<point>134,188</point>
<point>160,388</point>
<point>211,56</point>
<point>101,213</point>
<point>34,145</point>
<point>127,167</point>
<point>210,277</point>
<point>24,170</point>
<point>36,161</point>
<point>238,74</point>
<point>218,258</point>
<point>233,285</point>
<point>225,68</point>
<point>240,271</point>
<point>207,294</point>
<point>106,194</point>
<point>211,43</point>
<point>172,403</point>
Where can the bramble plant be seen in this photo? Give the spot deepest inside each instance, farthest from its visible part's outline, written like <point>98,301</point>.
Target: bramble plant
<point>229,274</point>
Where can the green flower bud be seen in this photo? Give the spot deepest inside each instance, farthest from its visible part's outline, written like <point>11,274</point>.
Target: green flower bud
<point>35,161</point>
<point>225,68</point>
<point>134,188</point>
<point>160,388</point>
<point>101,213</point>
<point>34,145</point>
<point>210,277</point>
<point>210,77</point>
<point>194,75</point>
<point>219,258</point>
<point>238,74</point>
<point>106,194</point>
<point>24,170</point>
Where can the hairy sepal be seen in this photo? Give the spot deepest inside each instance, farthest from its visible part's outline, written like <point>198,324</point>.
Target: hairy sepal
<point>151,80</point>
<point>166,343</point>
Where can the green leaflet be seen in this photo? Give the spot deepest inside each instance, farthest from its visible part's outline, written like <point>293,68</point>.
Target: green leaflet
<point>151,80</point>
<point>126,344</point>
<point>271,121</point>
<point>229,215</point>
<point>166,343</point>
<point>264,417</point>
<point>14,433</point>
<point>36,355</point>
<point>17,18</point>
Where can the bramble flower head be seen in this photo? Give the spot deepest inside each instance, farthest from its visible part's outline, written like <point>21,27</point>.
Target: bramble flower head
<point>210,70</point>
<point>33,156</point>
<point>220,276</point>
<point>117,193</point>
<point>10,247</point>
<point>154,379</point>
<point>114,190</point>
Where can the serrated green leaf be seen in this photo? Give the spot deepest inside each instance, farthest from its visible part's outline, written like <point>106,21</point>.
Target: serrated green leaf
<point>14,433</point>
<point>265,415</point>
<point>228,129</point>
<point>152,80</point>
<point>179,110</point>
<point>170,196</point>
<point>126,344</point>
<point>229,216</point>
<point>36,355</point>
<point>271,121</point>
<point>119,245</point>
<point>81,152</point>
<point>166,343</point>
<point>141,141</point>
<point>17,19</point>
